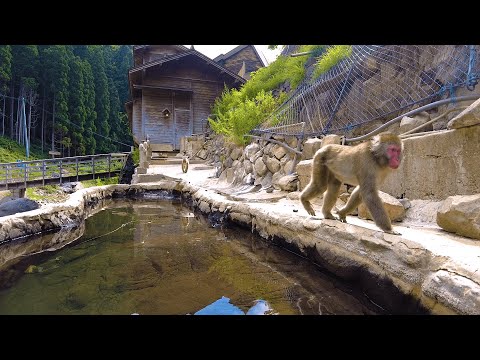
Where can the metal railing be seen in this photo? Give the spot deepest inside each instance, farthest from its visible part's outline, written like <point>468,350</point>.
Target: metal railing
<point>22,174</point>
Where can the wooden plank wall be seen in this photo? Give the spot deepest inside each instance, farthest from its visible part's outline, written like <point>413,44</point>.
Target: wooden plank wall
<point>159,129</point>
<point>137,120</point>
<point>205,86</point>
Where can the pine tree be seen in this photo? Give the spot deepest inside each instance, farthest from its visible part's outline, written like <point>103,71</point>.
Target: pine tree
<point>77,113</point>
<point>102,97</point>
<point>89,102</point>
<point>55,60</point>
<point>5,67</point>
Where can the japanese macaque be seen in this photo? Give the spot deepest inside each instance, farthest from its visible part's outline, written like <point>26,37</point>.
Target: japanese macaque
<point>364,165</point>
<point>185,162</point>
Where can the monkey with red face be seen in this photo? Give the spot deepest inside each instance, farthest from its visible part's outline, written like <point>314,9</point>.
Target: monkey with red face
<point>365,166</point>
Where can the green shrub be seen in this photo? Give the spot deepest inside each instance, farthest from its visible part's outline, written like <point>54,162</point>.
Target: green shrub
<point>330,58</point>
<point>237,112</point>
<point>242,116</point>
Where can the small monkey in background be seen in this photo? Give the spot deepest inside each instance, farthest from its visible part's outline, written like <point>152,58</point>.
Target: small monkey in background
<point>185,162</point>
<point>364,165</point>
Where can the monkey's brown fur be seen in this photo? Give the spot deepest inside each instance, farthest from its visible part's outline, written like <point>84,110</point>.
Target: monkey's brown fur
<point>364,165</point>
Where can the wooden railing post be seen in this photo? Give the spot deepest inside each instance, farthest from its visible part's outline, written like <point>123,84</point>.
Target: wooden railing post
<point>25,174</point>
<point>44,165</point>
<point>93,167</point>
<point>76,165</point>
<point>6,177</point>
<point>60,172</point>
<point>109,160</point>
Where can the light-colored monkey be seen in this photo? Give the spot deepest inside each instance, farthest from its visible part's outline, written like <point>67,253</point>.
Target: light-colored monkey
<point>365,166</point>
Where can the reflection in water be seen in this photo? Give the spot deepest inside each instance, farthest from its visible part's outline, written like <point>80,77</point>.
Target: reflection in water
<point>156,257</point>
<point>224,307</point>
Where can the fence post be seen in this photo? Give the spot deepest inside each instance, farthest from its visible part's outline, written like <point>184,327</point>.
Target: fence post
<point>43,172</point>
<point>109,161</point>
<point>93,167</point>
<point>60,172</point>
<point>25,174</point>
<point>76,165</point>
<point>6,177</point>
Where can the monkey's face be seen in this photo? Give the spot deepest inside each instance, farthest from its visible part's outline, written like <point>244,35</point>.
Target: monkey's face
<point>394,154</point>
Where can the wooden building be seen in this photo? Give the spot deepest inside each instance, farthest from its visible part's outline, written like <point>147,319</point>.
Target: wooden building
<point>173,89</point>
<point>242,60</point>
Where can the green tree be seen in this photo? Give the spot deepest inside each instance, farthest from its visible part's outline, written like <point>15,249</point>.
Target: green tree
<point>56,70</point>
<point>77,112</point>
<point>89,103</point>
<point>102,97</point>
<point>5,67</point>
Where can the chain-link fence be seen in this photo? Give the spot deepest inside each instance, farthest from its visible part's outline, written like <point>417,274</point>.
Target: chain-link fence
<point>375,83</point>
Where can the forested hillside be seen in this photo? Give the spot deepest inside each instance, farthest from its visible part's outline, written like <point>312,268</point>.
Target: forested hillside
<point>74,97</point>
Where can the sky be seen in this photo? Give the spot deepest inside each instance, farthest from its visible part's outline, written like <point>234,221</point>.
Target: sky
<point>214,50</point>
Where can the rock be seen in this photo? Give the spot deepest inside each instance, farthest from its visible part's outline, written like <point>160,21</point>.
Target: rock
<point>71,187</point>
<point>267,181</point>
<point>236,153</point>
<point>409,123</point>
<point>279,151</point>
<point>17,205</point>
<point>310,147</point>
<point>468,117</point>
<point>331,139</point>
<point>251,149</point>
<point>260,167</point>
<point>248,166</point>
<point>288,183</point>
<point>406,203</point>
<point>304,169</point>
<point>393,207</point>
<point>202,154</point>
<point>273,164</point>
<point>460,214</point>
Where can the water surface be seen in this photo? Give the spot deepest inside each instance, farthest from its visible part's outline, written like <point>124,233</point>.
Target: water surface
<point>157,257</point>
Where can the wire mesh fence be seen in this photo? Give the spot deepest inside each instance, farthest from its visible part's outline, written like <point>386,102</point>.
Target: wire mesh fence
<point>376,82</point>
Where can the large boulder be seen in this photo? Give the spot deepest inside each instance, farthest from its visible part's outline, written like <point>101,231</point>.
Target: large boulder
<point>460,214</point>
<point>310,147</point>
<point>18,205</point>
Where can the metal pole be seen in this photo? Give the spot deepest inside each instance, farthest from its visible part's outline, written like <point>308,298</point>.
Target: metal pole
<point>413,112</point>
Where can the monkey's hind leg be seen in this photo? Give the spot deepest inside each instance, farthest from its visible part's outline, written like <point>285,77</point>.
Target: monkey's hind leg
<point>316,186</point>
<point>331,196</point>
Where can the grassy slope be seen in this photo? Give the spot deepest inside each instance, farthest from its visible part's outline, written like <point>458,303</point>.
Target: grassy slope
<point>11,151</point>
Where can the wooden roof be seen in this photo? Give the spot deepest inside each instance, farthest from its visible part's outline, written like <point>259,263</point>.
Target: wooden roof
<point>236,50</point>
<point>187,52</point>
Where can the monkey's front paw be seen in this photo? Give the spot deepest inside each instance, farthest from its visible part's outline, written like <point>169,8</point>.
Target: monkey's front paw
<point>393,232</point>
<point>341,218</point>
